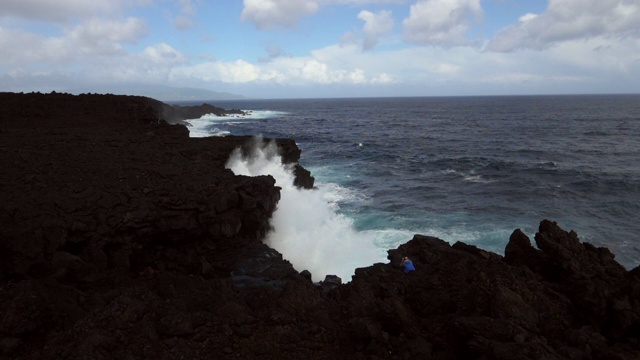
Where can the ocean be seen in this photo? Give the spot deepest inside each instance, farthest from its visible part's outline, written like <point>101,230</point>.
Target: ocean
<point>470,169</point>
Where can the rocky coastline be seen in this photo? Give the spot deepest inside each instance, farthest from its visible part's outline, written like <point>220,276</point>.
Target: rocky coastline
<point>123,238</point>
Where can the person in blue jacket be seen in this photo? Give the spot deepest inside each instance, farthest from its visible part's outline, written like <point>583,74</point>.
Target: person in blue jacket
<point>407,264</point>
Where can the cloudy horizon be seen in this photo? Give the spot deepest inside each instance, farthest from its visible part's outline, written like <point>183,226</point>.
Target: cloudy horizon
<point>324,48</point>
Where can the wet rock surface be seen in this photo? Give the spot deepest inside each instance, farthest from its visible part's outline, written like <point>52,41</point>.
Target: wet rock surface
<point>120,237</point>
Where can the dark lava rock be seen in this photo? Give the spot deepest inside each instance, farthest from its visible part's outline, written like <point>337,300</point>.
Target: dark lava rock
<point>120,237</point>
<point>303,177</point>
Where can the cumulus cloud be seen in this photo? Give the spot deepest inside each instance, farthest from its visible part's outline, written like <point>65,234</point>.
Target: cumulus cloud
<point>92,38</point>
<point>566,20</point>
<point>30,47</point>
<point>599,49</point>
<point>376,25</point>
<point>441,22</point>
<point>267,14</point>
<point>334,64</point>
<point>104,37</point>
<point>295,71</point>
<point>235,72</point>
<point>163,54</point>
<point>312,71</point>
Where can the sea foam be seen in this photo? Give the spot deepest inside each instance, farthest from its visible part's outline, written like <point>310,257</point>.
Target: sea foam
<point>206,125</point>
<point>307,228</point>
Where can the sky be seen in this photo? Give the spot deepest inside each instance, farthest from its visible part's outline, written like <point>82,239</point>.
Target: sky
<point>323,48</point>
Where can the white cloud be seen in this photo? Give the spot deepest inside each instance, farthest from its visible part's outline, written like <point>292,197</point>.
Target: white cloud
<point>104,37</point>
<point>599,56</point>
<point>360,2</point>
<point>565,20</point>
<point>239,71</point>
<point>95,38</point>
<point>266,14</point>
<point>235,72</point>
<point>441,22</point>
<point>308,71</point>
<point>382,78</point>
<point>329,66</point>
<point>595,54</point>
<point>151,65</point>
<point>446,68</point>
<point>585,65</point>
<point>576,67</point>
<point>527,17</point>
<point>61,10</point>
<point>18,47</point>
<point>154,64</point>
<point>163,54</point>
<point>376,25</point>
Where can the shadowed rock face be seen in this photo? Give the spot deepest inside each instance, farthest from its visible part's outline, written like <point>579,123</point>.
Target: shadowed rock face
<point>65,110</point>
<point>120,237</point>
<point>123,194</point>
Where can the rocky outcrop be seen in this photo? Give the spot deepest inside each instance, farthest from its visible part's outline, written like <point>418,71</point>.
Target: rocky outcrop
<point>82,196</point>
<point>121,237</point>
<point>565,300</point>
<point>60,109</point>
<point>176,113</point>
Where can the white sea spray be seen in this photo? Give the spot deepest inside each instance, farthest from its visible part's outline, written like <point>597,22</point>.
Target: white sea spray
<point>307,229</point>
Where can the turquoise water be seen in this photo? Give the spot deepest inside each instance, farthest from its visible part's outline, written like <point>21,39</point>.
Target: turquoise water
<point>468,169</point>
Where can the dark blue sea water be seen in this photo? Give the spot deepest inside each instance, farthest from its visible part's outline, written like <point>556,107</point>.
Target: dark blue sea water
<point>468,169</point>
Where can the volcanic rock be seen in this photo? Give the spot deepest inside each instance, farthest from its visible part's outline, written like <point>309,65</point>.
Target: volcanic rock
<point>121,237</point>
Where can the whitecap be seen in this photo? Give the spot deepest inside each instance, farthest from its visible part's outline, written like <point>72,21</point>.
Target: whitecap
<point>307,229</point>
<point>476,179</point>
<point>262,114</point>
<point>202,127</point>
